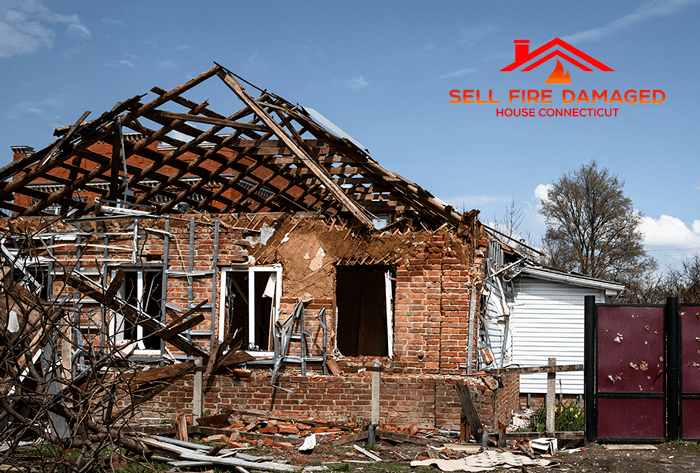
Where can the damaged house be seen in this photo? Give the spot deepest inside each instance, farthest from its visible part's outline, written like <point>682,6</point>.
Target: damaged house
<point>535,313</point>
<point>261,247</point>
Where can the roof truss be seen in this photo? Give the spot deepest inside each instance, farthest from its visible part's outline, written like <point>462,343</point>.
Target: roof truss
<point>267,156</point>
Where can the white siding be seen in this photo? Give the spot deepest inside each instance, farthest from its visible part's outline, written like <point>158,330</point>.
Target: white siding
<point>549,324</point>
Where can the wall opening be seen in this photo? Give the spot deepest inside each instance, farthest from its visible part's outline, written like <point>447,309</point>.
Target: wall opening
<point>251,305</point>
<point>365,309</point>
<point>142,289</point>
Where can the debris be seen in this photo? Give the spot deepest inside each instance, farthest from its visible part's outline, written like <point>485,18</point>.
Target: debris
<point>353,438</point>
<point>269,466</point>
<point>412,429</point>
<point>181,426</point>
<point>333,367</point>
<point>309,444</point>
<point>545,444</point>
<point>630,447</point>
<point>483,462</point>
<point>367,454</point>
<point>217,420</point>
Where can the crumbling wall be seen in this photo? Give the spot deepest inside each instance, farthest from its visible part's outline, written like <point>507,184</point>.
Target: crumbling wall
<point>437,274</point>
<point>97,249</point>
<point>430,401</point>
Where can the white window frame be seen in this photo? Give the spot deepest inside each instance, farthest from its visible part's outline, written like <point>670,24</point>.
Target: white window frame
<point>116,323</point>
<point>277,270</point>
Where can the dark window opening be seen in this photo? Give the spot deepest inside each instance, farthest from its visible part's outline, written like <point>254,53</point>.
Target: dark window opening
<point>364,314</point>
<point>148,299</point>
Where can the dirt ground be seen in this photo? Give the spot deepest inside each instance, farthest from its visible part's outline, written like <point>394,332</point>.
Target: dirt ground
<point>675,457</point>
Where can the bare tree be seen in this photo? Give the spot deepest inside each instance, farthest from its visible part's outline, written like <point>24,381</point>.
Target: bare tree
<point>592,227</point>
<point>684,283</point>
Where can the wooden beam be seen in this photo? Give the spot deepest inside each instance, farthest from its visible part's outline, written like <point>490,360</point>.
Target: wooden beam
<point>212,121</point>
<point>97,293</point>
<point>535,369</point>
<point>177,90</point>
<point>163,372</point>
<point>309,161</point>
<point>469,410</point>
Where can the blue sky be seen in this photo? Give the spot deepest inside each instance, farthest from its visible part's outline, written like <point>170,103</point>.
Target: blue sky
<point>382,71</point>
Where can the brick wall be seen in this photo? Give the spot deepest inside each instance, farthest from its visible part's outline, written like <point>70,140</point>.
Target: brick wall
<point>429,401</point>
<point>432,305</point>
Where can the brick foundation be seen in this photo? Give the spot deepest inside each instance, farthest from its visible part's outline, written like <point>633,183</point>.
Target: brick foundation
<point>427,400</point>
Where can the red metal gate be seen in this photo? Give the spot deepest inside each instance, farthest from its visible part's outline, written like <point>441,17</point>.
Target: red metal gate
<point>690,372</point>
<point>642,372</point>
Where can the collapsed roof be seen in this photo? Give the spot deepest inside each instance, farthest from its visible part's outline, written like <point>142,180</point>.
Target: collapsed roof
<point>268,156</point>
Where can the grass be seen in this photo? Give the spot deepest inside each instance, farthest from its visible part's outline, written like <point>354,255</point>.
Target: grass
<point>695,446</point>
<point>566,418</point>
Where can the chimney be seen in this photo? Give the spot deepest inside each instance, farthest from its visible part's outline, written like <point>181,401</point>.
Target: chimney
<point>522,50</point>
<point>21,151</point>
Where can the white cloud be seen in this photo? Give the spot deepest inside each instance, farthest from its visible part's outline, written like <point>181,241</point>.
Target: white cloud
<point>648,10</point>
<point>542,191</point>
<point>26,25</point>
<point>459,73</point>
<point>669,240</point>
<point>669,230</point>
<point>358,83</point>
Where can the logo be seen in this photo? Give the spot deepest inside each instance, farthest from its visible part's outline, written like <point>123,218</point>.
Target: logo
<point>563,50</point>
<point>547,102</point>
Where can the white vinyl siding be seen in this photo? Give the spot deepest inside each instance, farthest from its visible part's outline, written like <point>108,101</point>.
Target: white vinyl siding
<point>549,323</point>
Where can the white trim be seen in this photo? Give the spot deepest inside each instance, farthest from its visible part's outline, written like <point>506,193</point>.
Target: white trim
<point>276,271</point>
<point>582,281</point>
<point>389,313</point>
<point>116,320</point>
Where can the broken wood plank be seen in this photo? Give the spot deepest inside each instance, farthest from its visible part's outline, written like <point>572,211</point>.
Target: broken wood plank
<point>190,445</point>
<point>269,466</point>
<point>114,286</point>
<point>163,372</point>
<point>399,437</point>
<point>631,447</point>
<point>352,438</point>
<point>535,369</point>
<point>217,420</point>
<point>93,290</point>
<point>232,358</point>
<point>366,453</point>
<point>188,324</point>
<point>469,409</point>
<point>267,415</point>
<point>167,446</point>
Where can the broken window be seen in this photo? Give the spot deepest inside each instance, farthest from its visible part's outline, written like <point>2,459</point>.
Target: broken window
<point>142,289</point>
<point>250,304</point>
<point>365,310</point>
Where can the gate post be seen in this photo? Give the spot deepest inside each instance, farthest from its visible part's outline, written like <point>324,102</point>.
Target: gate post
<point>673,367</point>
<point>589,368</point>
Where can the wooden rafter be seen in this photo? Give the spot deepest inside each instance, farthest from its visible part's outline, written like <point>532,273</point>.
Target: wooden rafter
<point>266,156</point>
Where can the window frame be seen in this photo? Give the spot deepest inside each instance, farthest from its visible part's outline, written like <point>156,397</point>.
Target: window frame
<point>117,320</point>
<point>277,270</point>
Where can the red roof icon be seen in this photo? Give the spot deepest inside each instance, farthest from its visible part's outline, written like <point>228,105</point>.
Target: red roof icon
<point>523,55</point>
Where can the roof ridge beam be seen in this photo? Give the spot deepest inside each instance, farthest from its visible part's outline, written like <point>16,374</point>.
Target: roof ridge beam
<point>318,170</point>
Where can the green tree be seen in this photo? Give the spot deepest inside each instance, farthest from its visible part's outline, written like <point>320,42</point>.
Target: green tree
<point>592,227</point>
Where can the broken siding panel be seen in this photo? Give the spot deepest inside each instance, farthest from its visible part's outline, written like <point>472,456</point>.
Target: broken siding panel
<point>550,323</point>
<point>496,310</point>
